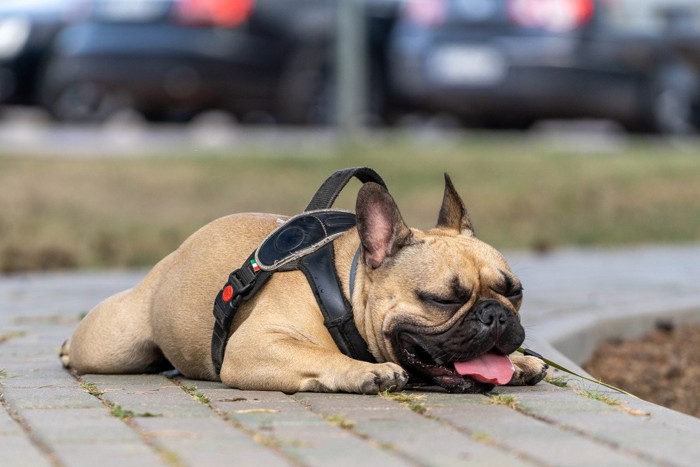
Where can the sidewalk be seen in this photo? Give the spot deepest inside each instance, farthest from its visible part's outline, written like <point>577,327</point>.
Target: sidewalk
<point>573,299</point>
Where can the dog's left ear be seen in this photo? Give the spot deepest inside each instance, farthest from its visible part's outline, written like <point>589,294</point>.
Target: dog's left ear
<point>382,230</point>
<point>453,214</point>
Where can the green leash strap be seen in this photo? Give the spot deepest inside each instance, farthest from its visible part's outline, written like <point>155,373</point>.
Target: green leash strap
<point>530,353</point>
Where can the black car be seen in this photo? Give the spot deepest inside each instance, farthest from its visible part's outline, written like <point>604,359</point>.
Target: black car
<point>262,60</point>
<point>27,30</point>
<point>173,58</point>
<point>511,62</point>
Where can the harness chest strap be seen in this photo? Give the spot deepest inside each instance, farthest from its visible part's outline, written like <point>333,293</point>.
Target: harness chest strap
<point>303,243</point>
<point>241,284</point>
<point>319,269</point>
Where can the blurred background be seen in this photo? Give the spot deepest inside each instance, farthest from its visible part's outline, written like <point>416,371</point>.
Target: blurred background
<point>127,124</point>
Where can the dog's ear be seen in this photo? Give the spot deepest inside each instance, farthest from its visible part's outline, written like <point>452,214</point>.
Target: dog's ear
<point>380,225</point>
<point>453,214</point>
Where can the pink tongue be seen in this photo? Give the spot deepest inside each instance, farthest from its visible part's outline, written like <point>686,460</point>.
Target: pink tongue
<point>489,368</point>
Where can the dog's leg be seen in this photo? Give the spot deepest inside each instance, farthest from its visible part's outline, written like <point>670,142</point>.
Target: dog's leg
<point>115,337</point>
<point>528,370</point>
<point>291,366</point>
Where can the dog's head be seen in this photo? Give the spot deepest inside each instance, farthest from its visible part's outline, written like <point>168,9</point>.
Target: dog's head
<point>442,304</point>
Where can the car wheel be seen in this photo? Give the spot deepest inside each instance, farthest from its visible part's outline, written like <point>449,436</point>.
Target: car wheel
<point>86,102</point>
<point>669,103</point>
<point>168,115</point>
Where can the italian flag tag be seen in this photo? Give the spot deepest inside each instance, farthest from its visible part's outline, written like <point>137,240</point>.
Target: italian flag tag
<point>255,266</point>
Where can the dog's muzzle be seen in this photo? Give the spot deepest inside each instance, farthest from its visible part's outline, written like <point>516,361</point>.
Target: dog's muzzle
<point>471,356</point>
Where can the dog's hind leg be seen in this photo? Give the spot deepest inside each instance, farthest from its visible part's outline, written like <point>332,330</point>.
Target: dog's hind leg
<point>115,337</point>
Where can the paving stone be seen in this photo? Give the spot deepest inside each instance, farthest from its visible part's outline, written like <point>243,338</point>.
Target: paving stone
<point>123,381</point>
<point>22,375</point>
<point>151,394</point>
<point>50,398</point>
<point>78,425</point>
<point>208,442</point>
<point>645,435</point>
<point>183,426</point>
<point>424,440</point>
<point>17,451</point>
<point>535,439</point>
<point>88,436</point>
<point>15,447</point>
<point>295,430</point>
<point>111,454</point>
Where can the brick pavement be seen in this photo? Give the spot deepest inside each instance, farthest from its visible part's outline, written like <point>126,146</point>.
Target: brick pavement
<point>49,417</point>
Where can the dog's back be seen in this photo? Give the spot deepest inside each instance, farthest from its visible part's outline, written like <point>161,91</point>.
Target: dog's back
<point>122,333</point>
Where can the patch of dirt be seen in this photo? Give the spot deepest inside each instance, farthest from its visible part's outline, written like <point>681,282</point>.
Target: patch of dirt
<point>662,367</point>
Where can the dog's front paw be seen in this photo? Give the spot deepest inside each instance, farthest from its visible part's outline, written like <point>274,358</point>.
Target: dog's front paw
<point>528,370</point>
<point>382,377</point>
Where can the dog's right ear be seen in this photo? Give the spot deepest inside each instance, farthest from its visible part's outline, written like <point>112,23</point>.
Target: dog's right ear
<point>453,214</point>
<point>380,225</point>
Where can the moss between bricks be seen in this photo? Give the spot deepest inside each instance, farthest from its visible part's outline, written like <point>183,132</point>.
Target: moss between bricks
<point>412,401</point>
<point>122,413</point>
<point>504,399</point>
<point>606,399</point>
<point>192,391</point>
<point>91,388</point>
<point>559,381</point>
<point>340,421</point>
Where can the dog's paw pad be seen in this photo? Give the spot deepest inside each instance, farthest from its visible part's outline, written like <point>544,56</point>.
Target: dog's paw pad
<point>384,377</point>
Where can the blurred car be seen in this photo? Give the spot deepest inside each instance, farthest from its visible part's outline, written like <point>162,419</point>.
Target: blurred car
<point>262,60</point>
<point>27,29</point>
<point>684,30</point>
<point>173,58</point>
<point>511,62</point>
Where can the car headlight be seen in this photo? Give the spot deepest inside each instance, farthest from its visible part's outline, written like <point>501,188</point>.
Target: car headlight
<point>14,33</point>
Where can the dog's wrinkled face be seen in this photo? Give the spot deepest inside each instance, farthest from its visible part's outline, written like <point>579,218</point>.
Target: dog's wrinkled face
<point>442,304</point>
<point>460,306</point>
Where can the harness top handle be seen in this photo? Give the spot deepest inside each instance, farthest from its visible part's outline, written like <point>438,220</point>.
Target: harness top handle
<point>328,192</point>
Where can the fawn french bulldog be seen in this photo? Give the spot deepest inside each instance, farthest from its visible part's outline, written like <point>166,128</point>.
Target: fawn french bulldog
<point>440,306</point>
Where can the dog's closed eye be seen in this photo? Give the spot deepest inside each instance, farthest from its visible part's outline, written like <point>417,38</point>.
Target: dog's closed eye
<point>445,303</point>
<point>515,296</point>
<point>452,301</point>
<point>509,288</point>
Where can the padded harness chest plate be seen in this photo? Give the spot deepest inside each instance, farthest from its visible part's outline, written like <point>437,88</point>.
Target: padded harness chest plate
<point>300,236</point>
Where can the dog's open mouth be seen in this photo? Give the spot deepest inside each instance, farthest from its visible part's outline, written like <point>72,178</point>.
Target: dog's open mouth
<point>478,374</point>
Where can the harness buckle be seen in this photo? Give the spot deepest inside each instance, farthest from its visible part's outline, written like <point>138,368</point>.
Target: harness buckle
<point>241,281</point>
<point>239,286</point>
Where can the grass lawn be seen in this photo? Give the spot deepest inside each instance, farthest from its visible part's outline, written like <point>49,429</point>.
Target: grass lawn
<point>521,192</point>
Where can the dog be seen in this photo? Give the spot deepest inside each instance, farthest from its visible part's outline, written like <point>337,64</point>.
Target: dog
<point>440,306</point>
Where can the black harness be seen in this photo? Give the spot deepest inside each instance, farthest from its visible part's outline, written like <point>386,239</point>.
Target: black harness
<point>305,243</point>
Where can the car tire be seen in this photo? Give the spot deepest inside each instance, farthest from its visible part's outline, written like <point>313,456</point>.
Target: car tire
<point>85,102</point>
<point>168,115</point>
<point>669,102</point>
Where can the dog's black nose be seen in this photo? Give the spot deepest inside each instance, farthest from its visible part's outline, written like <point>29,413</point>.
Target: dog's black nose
<point>491,313</point>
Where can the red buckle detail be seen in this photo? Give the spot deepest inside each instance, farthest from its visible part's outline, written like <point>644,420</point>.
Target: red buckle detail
<point>227,293</point>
